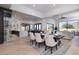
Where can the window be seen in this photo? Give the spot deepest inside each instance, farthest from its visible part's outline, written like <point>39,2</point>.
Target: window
<point>68,25</point>
<point>50,27</point>
<point>31,27</point>
<point>61,28</point>
<point>38,26</point>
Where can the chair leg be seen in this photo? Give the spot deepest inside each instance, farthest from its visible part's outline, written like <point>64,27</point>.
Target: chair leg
<point>51,50</point>
<point>32,42</point>
<point>59,42</point>
<point>45,48</point>
<point>56,47</point>
<point>36,44</point>
<point>39,45</point>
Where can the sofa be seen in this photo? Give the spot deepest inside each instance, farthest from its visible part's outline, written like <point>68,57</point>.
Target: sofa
<point>67,34</point>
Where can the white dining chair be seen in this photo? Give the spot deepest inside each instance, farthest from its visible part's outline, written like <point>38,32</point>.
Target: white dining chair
<point>39,40</point>
<point>32,37</point>
<point>50,43</point>
<point>46,36</point>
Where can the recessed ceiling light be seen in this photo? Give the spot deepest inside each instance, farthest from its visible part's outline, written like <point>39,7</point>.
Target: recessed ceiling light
<point>34,5</point>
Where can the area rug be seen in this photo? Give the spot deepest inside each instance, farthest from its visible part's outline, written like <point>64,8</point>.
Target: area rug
<point>62,49</point>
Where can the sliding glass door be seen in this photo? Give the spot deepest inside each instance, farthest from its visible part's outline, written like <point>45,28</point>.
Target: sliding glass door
<point>69,25</point>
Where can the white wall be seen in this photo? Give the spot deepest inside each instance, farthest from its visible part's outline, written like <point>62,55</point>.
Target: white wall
<point>16,22</point>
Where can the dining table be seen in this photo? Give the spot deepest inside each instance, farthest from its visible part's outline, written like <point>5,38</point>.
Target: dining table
<point>56,38</point>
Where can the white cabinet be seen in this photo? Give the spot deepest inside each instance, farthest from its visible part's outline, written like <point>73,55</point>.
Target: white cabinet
<point>23,33</point>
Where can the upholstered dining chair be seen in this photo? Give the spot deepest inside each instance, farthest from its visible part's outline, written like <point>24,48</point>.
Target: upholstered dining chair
<point>50,43</point>
<point>46,36</point>
<point>39,40</point>
<point>32,37</point>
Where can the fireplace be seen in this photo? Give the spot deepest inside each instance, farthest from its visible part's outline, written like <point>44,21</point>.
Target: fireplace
<point>15,32</point>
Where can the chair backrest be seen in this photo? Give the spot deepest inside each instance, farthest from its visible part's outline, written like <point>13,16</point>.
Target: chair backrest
<point>32,37</point>
<point>50,41</point>
<point>38,37</point>
<point>46,36</point>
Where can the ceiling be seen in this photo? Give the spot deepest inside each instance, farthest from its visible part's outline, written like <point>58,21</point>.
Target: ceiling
<point>45,9</point>
<point>21,15</point>
<point>25,16</point>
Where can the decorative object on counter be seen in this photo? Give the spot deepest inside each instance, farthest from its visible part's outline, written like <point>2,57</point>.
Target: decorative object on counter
<point>55,29</point>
